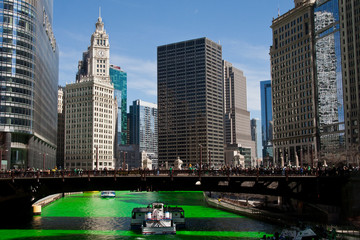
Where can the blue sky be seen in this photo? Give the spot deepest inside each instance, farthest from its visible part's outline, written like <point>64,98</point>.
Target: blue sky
<point>137,27</point>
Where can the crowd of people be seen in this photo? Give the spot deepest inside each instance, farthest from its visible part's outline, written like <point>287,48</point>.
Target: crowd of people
<point>190,170</point>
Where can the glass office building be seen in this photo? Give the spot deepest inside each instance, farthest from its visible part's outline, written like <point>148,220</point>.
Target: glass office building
<point>119,79</point>
<point>329,77</point>
<point>28,84</point>
<point>144,127</point>
<point>266,118</point>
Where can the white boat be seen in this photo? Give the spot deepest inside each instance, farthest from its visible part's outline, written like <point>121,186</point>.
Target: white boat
<point>108,194</point>
<point>158,221</point>
<point>157,218</point>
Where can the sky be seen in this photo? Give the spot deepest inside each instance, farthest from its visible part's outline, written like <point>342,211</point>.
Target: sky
<point>137,27</point>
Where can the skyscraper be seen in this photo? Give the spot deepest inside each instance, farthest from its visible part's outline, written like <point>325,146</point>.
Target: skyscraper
<point>294,86</point>
<point>28,79</point>
<point>61,128</point>
<point>256,137</point>
<point>119,80</point>
<point>350,45</point>
<point>144,127</point>
<point>190,102</point>
<point>330,101</point>
<point>266,120</point>
<point>90,108</point>
<point>236,116</point>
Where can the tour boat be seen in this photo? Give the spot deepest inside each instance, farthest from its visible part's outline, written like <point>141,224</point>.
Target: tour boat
<point>108,194</point>
<point>157,218</point>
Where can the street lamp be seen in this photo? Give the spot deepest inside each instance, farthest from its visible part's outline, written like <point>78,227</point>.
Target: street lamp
<point>200,156</point>
<point>97,157</point>
<point>123,164</point>
<point>209,160</point>
<point>43,159</point>
<point>124,160</point>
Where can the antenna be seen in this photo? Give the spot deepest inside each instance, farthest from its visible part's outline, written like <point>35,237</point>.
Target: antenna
<point>99,12</point>
<point>278,8</point>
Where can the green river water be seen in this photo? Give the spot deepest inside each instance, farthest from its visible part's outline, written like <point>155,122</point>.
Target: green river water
<point>87,216</point>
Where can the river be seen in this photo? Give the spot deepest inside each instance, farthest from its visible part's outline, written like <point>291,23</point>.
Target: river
<point>87,216</point>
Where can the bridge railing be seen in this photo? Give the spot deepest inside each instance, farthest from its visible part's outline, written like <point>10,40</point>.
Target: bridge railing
<point>188,172</point>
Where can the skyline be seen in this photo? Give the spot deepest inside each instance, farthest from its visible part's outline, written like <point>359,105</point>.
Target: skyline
<point>137,28</point>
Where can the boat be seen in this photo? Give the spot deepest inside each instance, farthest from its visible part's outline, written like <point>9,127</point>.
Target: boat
<point>296,234</point>
<point>108,194</point>
<point>158,218</point>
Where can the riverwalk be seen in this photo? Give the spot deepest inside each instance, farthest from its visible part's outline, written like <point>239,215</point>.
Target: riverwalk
<point>284,220</point>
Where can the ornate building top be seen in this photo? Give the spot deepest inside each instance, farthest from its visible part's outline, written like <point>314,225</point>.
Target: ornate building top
<point>95,63</point>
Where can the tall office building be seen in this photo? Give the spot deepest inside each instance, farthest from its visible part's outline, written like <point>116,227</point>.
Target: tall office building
<point>330,102</point>
<point>190,102</point>
<point>90,108</point>
<point>236,116</point>
<point>350,45</point>
<point>256,137</point>
<point>144,127</point>
<point>266,121</point>
<point>294,85</point>
<point>61,128</point>
<point>29,60</point>
<point>119,80</point>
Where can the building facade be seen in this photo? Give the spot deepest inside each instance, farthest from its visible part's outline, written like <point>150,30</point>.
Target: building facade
<point>90,109</point>
<point>294,86</point>
<point>236,117</point>
<point>61,129</point>
<point>119,80</point>
<point>266,122</point>
<point>144,127</point>
<point>330,102</point>
<point>190,102</point>
<point>29,62</point>
<point>350,45</point>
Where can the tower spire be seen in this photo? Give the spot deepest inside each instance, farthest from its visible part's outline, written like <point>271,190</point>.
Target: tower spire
<point>99,19</point>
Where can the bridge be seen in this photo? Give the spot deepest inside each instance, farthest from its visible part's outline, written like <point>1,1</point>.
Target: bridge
<point>313,187</point>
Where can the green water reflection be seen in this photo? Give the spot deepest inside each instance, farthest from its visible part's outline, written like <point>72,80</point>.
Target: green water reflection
<point>87,216</point>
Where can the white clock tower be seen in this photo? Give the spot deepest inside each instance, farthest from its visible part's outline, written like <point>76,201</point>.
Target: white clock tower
<point>95,63</point>
<point>91,109</point>
<point>99,53</point>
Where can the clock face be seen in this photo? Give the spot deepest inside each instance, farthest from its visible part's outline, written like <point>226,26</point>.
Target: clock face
<point>101,53</point>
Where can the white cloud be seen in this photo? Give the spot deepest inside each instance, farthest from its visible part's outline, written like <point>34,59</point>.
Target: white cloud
<point>142,75</point>
<point>246,50</point>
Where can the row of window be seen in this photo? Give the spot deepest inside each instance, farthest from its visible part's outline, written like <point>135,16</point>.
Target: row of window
<point>21,7</point>
<point>17,52</point>
<point>17,110</point>
<point>101,42</point>
<point>17,80</point>
<point>16,33</point>
<point>14,42</point>
<point>86,164</point>
<point>9,89</point>
<point>19,62</point>
<point>20,22</point>
<point>15,121</point>
<point>12,99</point>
